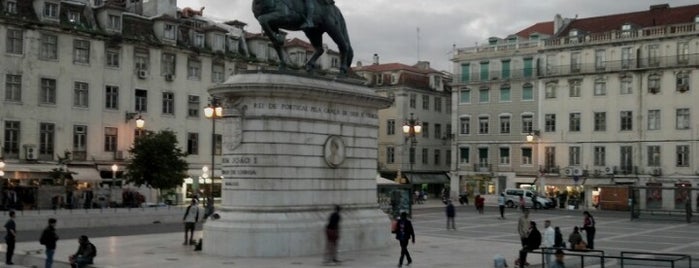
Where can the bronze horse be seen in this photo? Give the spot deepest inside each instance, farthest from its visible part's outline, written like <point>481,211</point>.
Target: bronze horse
<point>274,15</point>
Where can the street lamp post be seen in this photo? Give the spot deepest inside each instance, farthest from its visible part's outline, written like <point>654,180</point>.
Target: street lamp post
<point>412,127</point>
<point>114,171</point>
<point>213,111</point>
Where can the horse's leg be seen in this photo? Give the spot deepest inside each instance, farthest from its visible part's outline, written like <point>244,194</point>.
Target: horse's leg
<point>338,33</point>
<point>316,39</point>
<point>274,37</point>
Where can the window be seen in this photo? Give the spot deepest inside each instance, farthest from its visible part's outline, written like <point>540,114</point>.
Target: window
<point>683,52</point>
<point>626,118</point>
<point>549,157</point>
<point>390,155</point>
<point>199,40</point>
<point>81,51</point>
<point>600,59</point>
<point>438,131</point>
<point>141,104</point>
<point>505,124</point>
<point>10,147</point>
<point>379,79</point>
<point>391,127</point>
<point>527,92</point>
<point>438,104</point>
<point>504,156</point>
<point>141,59</point>
<point>505,69</point>
<point>193,106</point>
<point>682,82</point>
<point>335,62</point>
<point>465,126</point>
<point>111,99</point>
<point>574,156</point>
<point>193,69</point>
<point>169,103</point>
<point>683,118</point>
<point>485,71</point>
<point>80,95</point>
<point>626,161</point>
<point>437,157</point>
<point>653,119</point>
<point>168,64</point>
<point>425,102</point>
<point>550,91</point>
<point>218,150</point>
<point>74,17</point>
<point>483,156</point>
<point>528,69</point>
<point>447,158</point>
<point>575,63</point>
<point>112,57</point>
<point>413,100</point>
<point>47,137</point>
<point>551,67</point>
<point>49,47</point>
<point>110,139</point>
<point>48,91</point>
<point>550,123</point>
<point>465,95</point>
<point>15,41</point>
<point>425,156</point>
<point>411,155</point>
<point>465,72</point>
<point>527,123</point>
<point>574,88</point>
<point>448,130</point>
<point>79,141</point>
<point>447,105</point>
<point>600,87</point>
<point>600,156</point>
<point>51,11</point>
<point>526,156</point>
<point>114,22</point>
<point>193,143</point>
<point>625,87</point>
<point>13,87</point>
<point>654,84</point>
<point>626,57</point>
<point>483,124</point>
<point>217,73</point>
<point>219,42</point>
<point>600,121</point>
<point>654,156</point>
<point>574,122</point>
<point>484,95</point>
<point>653,55</point>
<point>505,94</point>
<point>425,130</point>
<point>169,32</point>
<point>11,7</point>
<point>464,155</point>
<point>683,155</point>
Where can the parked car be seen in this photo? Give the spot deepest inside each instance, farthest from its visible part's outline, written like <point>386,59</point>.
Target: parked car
<point>531,199</point>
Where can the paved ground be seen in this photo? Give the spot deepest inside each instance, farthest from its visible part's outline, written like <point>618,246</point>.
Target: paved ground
<point>477,240</point>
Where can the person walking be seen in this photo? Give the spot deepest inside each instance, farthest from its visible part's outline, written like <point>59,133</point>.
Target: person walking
<point>501,205</point>
<point>451,213</point>
<point>533,242</point>
<point>558,263</point>
<point>549,240</point>
<point>523,227</point>
<point>404,234</point>
<point>191,217</point>
<point>480,203</point>
<point>10,238</point>
<point>48,239</point>
<point>589,227</point>
<point>522,204</point>
<point>332,234</point>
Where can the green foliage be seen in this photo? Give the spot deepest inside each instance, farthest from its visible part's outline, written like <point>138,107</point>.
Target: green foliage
<point>157,161</point>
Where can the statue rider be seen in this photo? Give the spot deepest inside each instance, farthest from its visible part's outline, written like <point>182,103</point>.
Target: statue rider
<point>310,7</point>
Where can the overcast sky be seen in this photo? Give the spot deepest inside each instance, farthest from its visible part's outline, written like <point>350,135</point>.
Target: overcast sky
<point>389,27</point>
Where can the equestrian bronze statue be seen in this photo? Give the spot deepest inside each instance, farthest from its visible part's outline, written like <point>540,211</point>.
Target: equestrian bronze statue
<point>314,18</point>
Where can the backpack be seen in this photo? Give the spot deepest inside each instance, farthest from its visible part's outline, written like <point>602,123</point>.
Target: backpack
<point>94,250</point>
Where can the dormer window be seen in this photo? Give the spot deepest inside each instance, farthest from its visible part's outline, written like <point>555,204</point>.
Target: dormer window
<point>51,11</point>
<point>394,78</point>
<point>74,17</point>
<point>696,19</point>
<point>219,42</point>
<point>199,40</point>
<point>169,32</point>
<point>114,22</point>
<point>379,79</point>
<point>626,27</point>
<point>11,7</point>
<point>198,24</point>
<point>534,37</point>
<point>98,2</point>
<point>573,33</point>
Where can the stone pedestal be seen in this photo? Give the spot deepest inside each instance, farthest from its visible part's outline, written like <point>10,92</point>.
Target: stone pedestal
<point>293,147</point>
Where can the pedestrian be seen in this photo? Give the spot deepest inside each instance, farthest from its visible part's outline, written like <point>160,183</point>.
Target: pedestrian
<point>48,239</point>
<point>191,217</point>
<point>88,195</point>
<point>332,234</point>
<point>688,209</point>
<point>10,238</point>
<point>451,212</point>
<point>85,255</point>
<point>558,238</point>
<point>501,205</point>
<point>558,263</point>
<point>549,240</point>
<point>499,261</point>
<point>533,242</point>
<point>523,227</point>
<point>575,240</point>
<point>480,203</point>
<point>404,234</point>
<point>589,227</point>
<point>522,204</point>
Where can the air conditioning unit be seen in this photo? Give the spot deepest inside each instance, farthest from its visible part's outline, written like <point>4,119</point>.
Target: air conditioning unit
<point>30,152</point>
<point>143,74</point>
<point>609,170</point>
<point>169,77</point>
<point>656,171</point>
<point>119,155</point>
<point>568,171</point>
<point>577,171</point>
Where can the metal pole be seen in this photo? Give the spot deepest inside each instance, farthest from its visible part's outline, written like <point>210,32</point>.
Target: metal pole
<point>213,153</point>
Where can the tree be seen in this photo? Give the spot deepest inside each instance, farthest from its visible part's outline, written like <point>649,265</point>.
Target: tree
<point>157,161</point>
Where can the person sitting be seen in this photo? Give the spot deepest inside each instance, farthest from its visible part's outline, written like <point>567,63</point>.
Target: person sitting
<point>575,239</point>
<point>85,254</point>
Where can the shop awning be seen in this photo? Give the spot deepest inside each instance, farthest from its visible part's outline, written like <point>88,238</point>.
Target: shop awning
<point>196,172</point>
<point>29,167</point>
<point>383,181</point>
<point>427,178</point>
<point>85,174</point>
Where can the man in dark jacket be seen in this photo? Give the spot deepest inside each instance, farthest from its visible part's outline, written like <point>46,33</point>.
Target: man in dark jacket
<point>48,239</point>
<point>451,213</point>
<point>85,255</point>
<point>533,242</point>
<point>404,233</point>
<point>332,234</point>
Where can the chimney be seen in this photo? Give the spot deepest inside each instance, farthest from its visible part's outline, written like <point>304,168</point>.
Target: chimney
<point>359,63</point>
<point>557,23</point>
<point>423,65</point>
<point>376,59</point>
<point>660,6</point>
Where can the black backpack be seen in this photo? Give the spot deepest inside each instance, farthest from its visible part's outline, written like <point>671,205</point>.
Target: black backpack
<point>94,250</point>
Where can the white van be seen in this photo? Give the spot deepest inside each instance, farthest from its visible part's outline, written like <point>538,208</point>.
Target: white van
<point>531,199</point>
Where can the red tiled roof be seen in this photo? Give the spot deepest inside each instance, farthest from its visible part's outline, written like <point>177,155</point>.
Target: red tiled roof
<point>298,43</point>
<point>646,18</point>
<point>545,27</point>
<point>250,36</point>
<point>392,67</point>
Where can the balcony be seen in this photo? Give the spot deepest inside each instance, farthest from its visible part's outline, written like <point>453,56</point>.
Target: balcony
<point>674,61</point>
<point>498,77</point>
<point>482,167</point>
<point>620,36</point>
